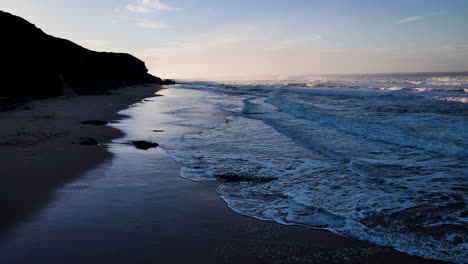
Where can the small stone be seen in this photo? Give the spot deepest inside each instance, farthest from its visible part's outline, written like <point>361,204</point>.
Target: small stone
<point>95,122</point>
<point>89,142</point>
<point>229,177</point>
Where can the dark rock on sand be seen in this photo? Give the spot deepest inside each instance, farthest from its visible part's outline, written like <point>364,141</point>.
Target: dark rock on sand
<point>145,145</point>
<point>231,177</point>
<point>95,122</point>
<point>158,131</point>
<point>89,142</point>
<point>168,82</point>
<point>36,65</point>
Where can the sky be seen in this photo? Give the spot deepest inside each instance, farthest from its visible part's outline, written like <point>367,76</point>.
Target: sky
<point>203,39</point>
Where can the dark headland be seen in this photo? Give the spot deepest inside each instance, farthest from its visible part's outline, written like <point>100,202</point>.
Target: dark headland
<point>36,65</point>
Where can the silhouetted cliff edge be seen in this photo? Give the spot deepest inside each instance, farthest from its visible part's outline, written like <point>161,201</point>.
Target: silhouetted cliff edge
<point>36,65</point>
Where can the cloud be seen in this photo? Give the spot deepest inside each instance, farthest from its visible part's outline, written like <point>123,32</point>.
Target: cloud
<point>244,51</point>
<point>148,6</point>
<point>150,24</point>
<point>410,19</point>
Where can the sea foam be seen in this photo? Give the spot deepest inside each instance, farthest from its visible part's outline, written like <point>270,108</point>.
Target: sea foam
<point>385,165</point>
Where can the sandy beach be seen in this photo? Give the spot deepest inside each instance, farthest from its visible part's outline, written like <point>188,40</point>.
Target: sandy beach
<point>116,204</point>
<point>40,150</point>
<point>170,131</point>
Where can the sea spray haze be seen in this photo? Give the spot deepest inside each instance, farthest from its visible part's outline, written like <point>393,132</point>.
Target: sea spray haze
<point>381,158</point>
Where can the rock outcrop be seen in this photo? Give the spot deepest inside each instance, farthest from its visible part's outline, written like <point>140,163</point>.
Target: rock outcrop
<point>35,65</point>
<point>144,145</point>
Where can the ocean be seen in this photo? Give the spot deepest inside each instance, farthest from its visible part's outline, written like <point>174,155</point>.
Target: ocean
<point>378,157</point>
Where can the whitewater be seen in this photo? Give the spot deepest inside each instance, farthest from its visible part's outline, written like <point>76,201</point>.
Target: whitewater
<point>379,157</point>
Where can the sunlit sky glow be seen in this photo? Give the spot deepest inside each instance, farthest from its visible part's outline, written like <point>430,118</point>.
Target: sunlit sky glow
<point>217,38</point>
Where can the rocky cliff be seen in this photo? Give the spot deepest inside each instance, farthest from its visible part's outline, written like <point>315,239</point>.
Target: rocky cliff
<point>36,65</point>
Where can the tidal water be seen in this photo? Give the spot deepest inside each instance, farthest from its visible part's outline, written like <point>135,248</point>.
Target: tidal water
<point>381,158</point>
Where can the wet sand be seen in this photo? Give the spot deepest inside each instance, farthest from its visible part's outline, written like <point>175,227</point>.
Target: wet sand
<point>39,148</point>
<point>116,204</point>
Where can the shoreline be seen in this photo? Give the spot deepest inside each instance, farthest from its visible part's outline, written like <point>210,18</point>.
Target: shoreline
<point>40,151</point>
<point>150,213</point>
